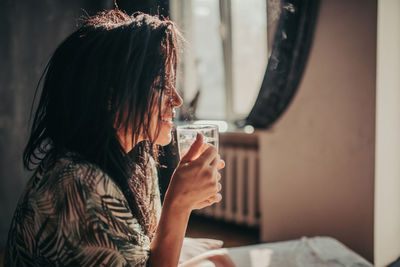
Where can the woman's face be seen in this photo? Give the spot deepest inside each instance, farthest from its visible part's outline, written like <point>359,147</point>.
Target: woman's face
<point>163,121</point>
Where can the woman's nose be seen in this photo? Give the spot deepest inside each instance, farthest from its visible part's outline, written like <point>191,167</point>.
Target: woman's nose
<point>177,100</point>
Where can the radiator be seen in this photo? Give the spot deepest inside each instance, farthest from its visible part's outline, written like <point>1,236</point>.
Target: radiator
<point>240,183</point>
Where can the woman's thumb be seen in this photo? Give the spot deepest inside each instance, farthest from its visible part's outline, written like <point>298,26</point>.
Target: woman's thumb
<point>194,149</point>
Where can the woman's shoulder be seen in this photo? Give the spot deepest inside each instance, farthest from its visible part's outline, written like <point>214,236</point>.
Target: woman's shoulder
<point>81,189</point>
<point>71,201</point>
<point>71,174</point>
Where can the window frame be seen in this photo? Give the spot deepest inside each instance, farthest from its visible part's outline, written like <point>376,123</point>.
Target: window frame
<point>187,67</point>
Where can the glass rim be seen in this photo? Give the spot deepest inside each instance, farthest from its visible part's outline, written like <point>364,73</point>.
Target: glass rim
<point>199,126</point>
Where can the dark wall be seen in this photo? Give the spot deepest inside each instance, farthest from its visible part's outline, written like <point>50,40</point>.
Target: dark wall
<point>29,33</point>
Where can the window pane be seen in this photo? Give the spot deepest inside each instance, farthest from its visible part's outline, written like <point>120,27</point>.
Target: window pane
<point>209,67</point>
<point>249,49</point>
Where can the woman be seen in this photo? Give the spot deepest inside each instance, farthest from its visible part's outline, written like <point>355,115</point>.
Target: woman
<point>107,103</point>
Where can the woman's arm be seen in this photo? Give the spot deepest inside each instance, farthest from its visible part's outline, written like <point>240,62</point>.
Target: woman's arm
<point>194,185</point>
<point>167,242</point>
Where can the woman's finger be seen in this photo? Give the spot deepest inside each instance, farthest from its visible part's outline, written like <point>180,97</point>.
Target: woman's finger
<point>208,202</point>
<point>194,149</point>
<point>221,164</point>
<point>219,187</point>
<point>215,162</point>
<point>217,198</point>
<point>209,155</point>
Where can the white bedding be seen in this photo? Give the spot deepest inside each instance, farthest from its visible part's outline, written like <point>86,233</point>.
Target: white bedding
<point>304,252</point>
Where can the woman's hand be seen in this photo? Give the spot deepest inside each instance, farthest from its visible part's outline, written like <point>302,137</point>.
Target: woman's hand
<point>194,185</point>
<point>195,182</point>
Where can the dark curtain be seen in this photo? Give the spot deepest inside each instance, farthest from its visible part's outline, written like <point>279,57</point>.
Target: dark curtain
<point>290,47</point>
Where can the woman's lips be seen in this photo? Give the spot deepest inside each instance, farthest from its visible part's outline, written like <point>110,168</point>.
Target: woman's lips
<point>169,117</point>
<point>168,120</point>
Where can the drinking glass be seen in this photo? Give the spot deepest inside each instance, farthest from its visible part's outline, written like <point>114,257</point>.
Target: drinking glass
<point>186,135</point>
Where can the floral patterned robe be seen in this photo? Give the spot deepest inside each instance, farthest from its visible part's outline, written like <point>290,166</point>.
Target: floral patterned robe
<point>73,214</point>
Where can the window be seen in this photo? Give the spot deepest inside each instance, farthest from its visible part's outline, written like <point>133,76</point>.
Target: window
<point>225,56</point>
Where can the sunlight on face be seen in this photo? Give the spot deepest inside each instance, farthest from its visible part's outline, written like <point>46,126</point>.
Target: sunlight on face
<point>164,123</point>
<point>160,126</point>
<point>161,121</point>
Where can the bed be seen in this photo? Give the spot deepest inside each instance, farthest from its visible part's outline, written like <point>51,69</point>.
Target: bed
<point>304,252</point>
<point>316,251</point>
